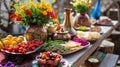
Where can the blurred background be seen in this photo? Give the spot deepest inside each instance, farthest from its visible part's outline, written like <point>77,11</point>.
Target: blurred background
<point>108,8</point>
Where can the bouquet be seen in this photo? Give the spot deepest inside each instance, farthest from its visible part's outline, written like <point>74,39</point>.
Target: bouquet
<point>81,5</point>
<point>33,13</point>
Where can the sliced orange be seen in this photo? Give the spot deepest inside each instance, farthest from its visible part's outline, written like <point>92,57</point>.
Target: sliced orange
<point>6,42</point>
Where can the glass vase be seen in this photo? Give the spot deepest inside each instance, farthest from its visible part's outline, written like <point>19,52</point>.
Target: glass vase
<point>36,32</point>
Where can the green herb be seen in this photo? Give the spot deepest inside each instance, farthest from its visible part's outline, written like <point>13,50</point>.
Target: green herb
<point>58,49</point>
<point>50,43</point>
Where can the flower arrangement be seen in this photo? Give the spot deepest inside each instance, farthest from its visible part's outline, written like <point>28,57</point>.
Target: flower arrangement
<point>81,5</point>
<point>33,13</point>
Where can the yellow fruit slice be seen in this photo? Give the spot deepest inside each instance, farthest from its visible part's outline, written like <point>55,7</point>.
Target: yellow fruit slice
<point>21,38</point>
<point>6,42</point>
<point>1,45</point>
<point>14,39</point>
<point>9,37</point>
<point>14,43</point>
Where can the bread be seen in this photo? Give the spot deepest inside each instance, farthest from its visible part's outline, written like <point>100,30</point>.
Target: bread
<point>88,35</point>
<point>71,44</point>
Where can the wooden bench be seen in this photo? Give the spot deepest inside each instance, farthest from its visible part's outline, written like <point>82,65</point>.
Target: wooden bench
<point>109,61</point>
<point>106,60</point>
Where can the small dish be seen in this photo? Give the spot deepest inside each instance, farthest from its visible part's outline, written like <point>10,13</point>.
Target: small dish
<point>63,63</point>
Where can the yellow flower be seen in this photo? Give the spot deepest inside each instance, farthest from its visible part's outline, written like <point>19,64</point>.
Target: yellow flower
<point>44,12</point>
<point>32,4</point>
<point>38,5</point>
<point>49,9</point>
<point>31,0</point>
<point>21,10</point>
<point>43,4</point>
<point>16,13</point>
<point>23,6</point>
<point>76,2</point>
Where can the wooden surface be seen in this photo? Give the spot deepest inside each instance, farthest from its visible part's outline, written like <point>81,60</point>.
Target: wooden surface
<point>106,59</point>
<point>109,61</point>
<point>79,57</point>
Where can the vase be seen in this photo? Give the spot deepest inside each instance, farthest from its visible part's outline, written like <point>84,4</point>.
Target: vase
<point>67,24</point>
<point>51,30</point>
<point>61,36</point>
<point>98,10</point>
<point>36,32</point>
<point>81,19</point>
<point>56,17</point>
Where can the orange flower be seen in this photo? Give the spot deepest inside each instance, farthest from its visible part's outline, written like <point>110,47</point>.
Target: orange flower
<point>21,10</point>
<point>32,4</point>
<point>16,13</point>
<point>44,12</point>
<point>23,7</point>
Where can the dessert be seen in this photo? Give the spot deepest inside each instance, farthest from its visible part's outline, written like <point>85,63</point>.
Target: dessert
<point>48,59</point>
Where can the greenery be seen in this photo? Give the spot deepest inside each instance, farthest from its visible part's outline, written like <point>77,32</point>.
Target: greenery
<point>50,43</point>
<point>81,5</point>
<point>81,8</point>
<point>31,13</point>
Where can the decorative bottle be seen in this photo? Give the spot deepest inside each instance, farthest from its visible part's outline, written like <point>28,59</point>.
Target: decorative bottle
<point>56,17</point>
<point>67,24</point>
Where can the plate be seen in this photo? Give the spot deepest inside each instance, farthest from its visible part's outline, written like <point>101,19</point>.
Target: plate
<point>87,29</point>
<point>16,53</point>
<point>76,49</point>
<point>100,24</point>
<point>63,63</point>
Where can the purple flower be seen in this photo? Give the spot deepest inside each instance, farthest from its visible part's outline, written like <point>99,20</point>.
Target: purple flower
<point>9,64</point>
<point>82,41</point>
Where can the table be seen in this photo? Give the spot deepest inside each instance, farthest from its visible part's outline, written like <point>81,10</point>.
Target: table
<point>78,58</point>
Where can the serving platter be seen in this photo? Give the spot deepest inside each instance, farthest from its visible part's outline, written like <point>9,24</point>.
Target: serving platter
<point>75,49</point>
<point>91,29</point>
<point>16,53</point>
<point>101,24</point>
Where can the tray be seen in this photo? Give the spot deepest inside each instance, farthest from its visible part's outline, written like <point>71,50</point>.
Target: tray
<point>100,24</point>
<point>63,63</point>
<point>15,53</point>
<point>73,51</point>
